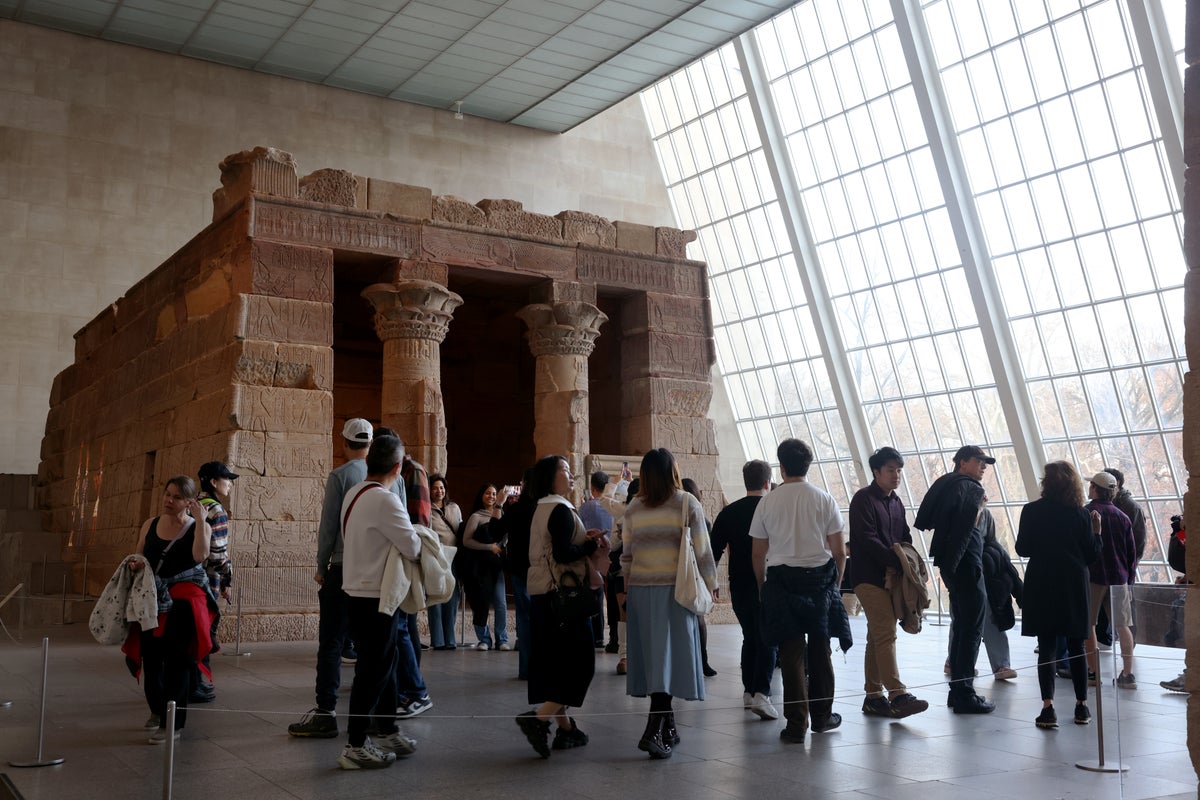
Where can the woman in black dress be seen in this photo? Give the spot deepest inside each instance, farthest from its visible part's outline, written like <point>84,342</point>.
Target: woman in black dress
<point>1060,540</point>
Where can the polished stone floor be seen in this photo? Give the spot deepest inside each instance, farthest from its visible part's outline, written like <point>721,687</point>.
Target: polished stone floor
<point>469,747</point>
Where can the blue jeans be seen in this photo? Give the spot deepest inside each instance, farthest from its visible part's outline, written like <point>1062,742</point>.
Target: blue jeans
<point>409,683</point>
<point>442,619</point>
<point>333,628</point>
<point>500,612</point>
<point>521,604</point>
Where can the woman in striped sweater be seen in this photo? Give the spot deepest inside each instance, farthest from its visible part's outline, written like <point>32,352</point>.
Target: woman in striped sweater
<point>664,637</point>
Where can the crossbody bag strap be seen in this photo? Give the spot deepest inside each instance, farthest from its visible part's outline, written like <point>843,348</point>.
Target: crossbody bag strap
<point>163,556</point>
<point>346,516</point>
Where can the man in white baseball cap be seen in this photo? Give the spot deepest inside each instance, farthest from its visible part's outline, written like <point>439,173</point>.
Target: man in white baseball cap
<point>333,627</point>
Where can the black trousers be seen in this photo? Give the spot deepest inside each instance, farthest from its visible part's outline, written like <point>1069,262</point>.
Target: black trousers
<point>374,686</point>
<point>167,664</point>
<point>968,599</point>
<point>1048,664</point>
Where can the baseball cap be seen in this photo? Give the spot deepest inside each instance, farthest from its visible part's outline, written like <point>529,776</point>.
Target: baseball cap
<point>357,430</point>
<point>1105,481</point>
<point>216,469</point>
<point>972,451</point>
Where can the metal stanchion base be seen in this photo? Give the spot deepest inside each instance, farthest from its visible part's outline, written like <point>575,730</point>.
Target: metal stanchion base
<point>44,763</point>
<point>235,655</point>
<point>5,703</point>
<point>1094,765</point>
<point>937,623</point>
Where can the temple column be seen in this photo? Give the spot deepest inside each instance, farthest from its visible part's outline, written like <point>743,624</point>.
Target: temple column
<point>561,336</point>
<point>411,318</point>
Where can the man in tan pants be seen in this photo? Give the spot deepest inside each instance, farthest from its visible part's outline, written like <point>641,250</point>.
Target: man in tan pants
<point>876,523</point>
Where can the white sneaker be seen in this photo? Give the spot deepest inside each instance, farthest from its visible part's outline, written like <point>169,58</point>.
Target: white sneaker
<point>366,757</point>
<point>160,736</point>
<point>397,743</point>
<point>153,723</point>
<point>747,700</point>
<point>761,705</point>
<point>482,646</point>
<point>505,646</point>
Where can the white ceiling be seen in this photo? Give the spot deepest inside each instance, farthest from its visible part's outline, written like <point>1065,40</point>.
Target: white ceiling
<point>547,64</point>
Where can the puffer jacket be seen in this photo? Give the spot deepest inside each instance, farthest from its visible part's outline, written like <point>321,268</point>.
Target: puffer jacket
<point>1002,582</point>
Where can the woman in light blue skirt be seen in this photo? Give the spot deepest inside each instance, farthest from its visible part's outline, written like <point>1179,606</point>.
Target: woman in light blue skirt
<point>664,637</point>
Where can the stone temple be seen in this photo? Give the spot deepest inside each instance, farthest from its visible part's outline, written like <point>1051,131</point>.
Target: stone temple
<point>484,334</point>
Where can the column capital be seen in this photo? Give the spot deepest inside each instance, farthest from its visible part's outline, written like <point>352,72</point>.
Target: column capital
<point>412,309</point>
<point>567,328</point>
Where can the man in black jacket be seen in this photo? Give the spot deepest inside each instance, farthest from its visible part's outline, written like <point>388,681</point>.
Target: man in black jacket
<point>951,509</point>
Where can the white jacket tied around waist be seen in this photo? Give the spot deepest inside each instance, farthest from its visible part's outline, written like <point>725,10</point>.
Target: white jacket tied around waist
<point>129,597</point>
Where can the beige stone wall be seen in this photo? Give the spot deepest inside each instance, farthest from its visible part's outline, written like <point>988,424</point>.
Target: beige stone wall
<point>107,166</point>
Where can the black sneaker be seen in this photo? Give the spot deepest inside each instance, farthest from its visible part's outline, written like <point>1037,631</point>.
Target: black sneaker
<point>536,732</point>
<point>411,708</point>
<point>317,724</point>
<point>612,647</point>
<point>973,704</point>
<point>906,705</point>
<point>1083,715</point>
<point>834,721</point>
<point>1047,719</point>
<point>349,656</point>
<point>792,735</point>
<point>877,707</point>
<point>566,739</point>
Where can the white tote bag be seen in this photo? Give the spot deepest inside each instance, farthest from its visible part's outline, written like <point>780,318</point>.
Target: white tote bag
<point>691,591</point>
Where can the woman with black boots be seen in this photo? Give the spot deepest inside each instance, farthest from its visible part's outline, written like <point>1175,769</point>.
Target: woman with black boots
<point>664,637</point>
<point>562,658</point>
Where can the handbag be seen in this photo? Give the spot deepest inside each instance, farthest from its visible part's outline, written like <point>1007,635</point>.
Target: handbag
<point>691,591</point>
<point>571,602</point>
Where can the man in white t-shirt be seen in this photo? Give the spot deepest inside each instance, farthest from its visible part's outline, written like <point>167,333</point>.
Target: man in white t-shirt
<point>374,521</point>
<point>799,555</point>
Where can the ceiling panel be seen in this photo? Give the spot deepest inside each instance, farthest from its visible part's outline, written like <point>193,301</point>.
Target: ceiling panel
<point>548,64</point>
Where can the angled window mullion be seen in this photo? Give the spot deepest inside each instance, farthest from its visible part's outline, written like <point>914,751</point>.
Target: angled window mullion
<point>1162,79</point>
<point>846,398</point>
<point>965,220</point>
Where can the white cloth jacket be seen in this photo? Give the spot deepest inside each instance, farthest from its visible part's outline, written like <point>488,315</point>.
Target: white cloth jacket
<point>413,585</point>
<point>129,597</point>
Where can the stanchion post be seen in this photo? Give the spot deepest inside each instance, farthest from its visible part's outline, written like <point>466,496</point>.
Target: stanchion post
<point>1098,765</point>
<point>169,755</point>
<point>40,761</point>
<point>237,627</point>
<point>85,565</point>
<point>64,599</point>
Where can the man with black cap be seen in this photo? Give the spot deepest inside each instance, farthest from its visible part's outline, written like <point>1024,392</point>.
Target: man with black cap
<point>952,510</point>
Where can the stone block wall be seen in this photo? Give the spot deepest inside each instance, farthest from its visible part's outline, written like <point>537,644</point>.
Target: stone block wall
<point>223,353</point>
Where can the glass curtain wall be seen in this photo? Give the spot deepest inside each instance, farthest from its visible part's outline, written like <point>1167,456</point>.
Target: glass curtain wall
<point>1066,167</point>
